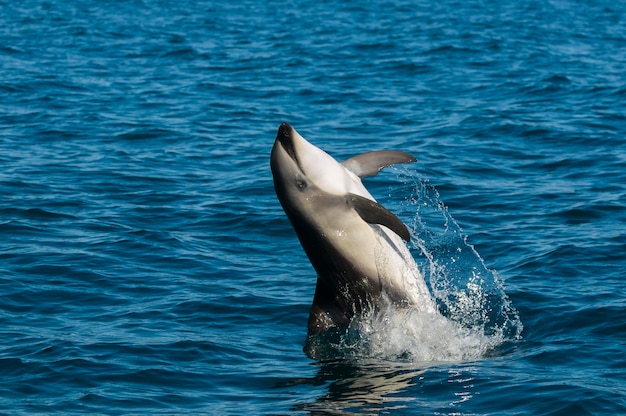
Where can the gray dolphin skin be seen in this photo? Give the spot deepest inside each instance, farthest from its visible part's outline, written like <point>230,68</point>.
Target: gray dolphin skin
<point>355,245</point>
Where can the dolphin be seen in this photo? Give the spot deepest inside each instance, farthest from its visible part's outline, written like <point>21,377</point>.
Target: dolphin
<point>356,246</point>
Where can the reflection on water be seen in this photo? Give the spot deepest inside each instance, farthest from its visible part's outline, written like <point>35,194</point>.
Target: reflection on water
<point>359,387</point>
<point>363,388</point>
<point>465,386</point>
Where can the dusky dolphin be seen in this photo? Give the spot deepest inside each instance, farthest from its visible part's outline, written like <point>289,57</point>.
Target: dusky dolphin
<point>354,244</point>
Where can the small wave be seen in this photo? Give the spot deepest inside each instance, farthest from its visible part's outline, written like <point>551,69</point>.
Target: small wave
<point>35,214</point>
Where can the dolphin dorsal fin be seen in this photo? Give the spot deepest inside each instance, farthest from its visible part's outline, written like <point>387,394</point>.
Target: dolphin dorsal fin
<point>370,163</point>
<point>373,213</point>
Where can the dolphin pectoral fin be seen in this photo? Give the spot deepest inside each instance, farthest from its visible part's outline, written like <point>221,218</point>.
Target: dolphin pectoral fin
<point>370,163</point>
<point>374,213</point>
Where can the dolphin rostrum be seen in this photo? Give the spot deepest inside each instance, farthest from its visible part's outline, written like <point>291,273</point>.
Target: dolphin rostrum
<point>354,244</point>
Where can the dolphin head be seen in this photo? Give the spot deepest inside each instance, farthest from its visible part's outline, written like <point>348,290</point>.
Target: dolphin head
<point>301,169</point>
<point>315,190</point>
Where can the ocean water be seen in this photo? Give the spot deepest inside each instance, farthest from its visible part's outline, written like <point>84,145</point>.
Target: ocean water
<point>146,266</point>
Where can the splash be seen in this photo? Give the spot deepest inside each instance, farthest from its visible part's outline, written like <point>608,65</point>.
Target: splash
<point>473,317</point>
<point>466,291</point>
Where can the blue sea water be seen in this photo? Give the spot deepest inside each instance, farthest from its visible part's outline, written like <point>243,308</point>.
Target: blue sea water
<point>146,266</point>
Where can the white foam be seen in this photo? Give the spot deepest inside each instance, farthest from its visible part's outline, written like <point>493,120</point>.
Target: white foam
<point>411,335</point>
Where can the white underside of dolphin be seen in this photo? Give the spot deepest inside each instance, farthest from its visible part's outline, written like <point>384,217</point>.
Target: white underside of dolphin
<point>355,244</point>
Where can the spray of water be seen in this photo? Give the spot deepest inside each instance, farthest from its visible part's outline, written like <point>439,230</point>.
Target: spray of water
<point>473,318</point>
<point>466,291</point>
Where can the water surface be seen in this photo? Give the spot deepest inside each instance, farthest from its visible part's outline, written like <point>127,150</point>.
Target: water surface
<point>147,267</point>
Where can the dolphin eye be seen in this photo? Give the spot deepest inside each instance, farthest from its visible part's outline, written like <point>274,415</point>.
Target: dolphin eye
<point>301,183</point>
